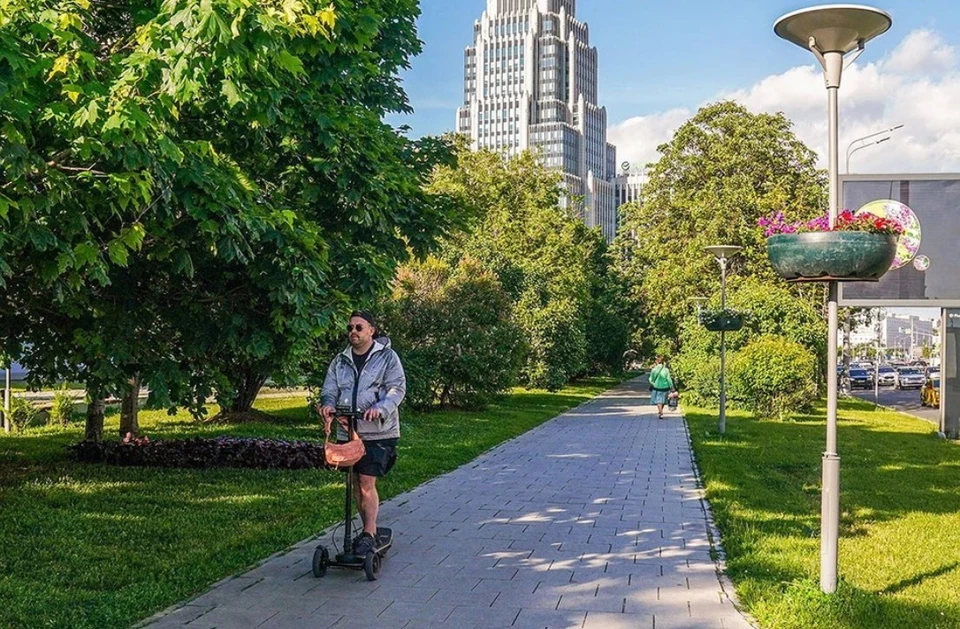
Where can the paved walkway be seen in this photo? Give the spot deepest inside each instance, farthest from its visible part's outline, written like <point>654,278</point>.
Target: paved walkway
<point>591,520</point>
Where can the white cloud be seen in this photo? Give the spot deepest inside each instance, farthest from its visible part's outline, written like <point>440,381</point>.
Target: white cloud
<point>917,84</point>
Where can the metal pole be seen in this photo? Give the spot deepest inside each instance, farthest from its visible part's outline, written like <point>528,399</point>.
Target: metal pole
<point>6,401</point>
<point>830,498</point>
<point>723,348</point>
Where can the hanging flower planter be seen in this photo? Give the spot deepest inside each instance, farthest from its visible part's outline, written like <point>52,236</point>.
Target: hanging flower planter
<point>826,256</point>
<point>721,320</point>
<point>860,248</point>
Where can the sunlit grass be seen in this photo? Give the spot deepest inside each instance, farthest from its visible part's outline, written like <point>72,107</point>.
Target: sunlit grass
<point>100,546</point>
<point>900,502</point>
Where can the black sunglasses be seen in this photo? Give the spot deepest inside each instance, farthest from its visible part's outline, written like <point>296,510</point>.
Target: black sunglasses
<point>358,327</point>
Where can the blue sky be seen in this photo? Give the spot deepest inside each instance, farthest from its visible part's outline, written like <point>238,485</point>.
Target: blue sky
<point>655,55</point>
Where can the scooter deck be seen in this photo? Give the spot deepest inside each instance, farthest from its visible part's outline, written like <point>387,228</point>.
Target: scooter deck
<point>384,542</point>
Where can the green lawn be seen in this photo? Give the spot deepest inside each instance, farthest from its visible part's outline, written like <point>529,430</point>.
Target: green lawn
<point>99,546</point>
<point>900,523</point>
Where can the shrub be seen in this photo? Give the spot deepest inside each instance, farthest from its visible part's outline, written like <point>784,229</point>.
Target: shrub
<point>22,413</point>
<point>697,374</point>
<point>773,377</point>
<point>262,454</point>
<point>62,410</point>
<point>557,340</point>
<point>453,329</point>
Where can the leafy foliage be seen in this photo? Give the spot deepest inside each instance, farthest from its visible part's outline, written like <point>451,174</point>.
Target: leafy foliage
<point>773,377</point>
<point>774,311</point>
<point>555,270</point>
<point>454,329</point>
<point>194,190</point>
<point>61,412</point>
<point>723,170</point>
<point>22,413</point>
<point>255,453</point>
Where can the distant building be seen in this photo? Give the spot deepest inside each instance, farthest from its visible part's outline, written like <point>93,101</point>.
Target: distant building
<point>530,81</point>
<point>901,335</point>
<point>629,183</point>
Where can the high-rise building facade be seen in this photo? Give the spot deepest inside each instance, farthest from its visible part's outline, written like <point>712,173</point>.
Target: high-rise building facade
<point>530,81</point>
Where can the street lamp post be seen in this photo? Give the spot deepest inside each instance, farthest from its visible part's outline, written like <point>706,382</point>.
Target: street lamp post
<point>6,400</point>
<point>867,137</point>
<point>723,253</point>
<point>830,32</point>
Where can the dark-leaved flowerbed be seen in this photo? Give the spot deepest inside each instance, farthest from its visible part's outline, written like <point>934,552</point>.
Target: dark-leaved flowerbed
<point>244,452</point>
<point>95,545</point>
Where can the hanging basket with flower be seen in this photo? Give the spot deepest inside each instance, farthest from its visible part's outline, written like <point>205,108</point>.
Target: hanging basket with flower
<point>859,248</point>
<point>721,320</point>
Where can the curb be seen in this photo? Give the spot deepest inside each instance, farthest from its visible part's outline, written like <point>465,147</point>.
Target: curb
<point>713,534</point>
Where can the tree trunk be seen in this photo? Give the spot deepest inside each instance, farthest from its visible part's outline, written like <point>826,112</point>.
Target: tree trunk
<point>240,406</point>
<point>95,410</point>
<point>129,421</point>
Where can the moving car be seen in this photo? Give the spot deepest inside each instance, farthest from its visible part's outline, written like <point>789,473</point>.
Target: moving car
<point>909,378</point>
<point>930,393</point>
<point>859,379</point>
<point>887,376</point>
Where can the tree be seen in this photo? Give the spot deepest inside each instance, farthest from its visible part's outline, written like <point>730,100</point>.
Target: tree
<point>454,328</point>
<point>770,311</point>
<point>193,191</point>
<point>555,269</point>
<point>722,171</point>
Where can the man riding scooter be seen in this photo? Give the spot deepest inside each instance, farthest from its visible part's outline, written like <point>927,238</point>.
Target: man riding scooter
<point>367,377</point>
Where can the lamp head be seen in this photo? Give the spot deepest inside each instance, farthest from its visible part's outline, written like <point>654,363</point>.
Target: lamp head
<point>833,27</point>
<point>723,252</point>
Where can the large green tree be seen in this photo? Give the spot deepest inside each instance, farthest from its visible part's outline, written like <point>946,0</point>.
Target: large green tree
<point>191,191</point>
<point>555,269</point>
<point>722,170</point>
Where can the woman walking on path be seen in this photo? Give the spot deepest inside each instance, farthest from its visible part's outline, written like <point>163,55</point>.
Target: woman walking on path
<point>661,383</point>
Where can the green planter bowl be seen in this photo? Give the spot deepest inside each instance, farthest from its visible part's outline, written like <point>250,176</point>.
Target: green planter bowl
<point>828,256</point>
<point>724,323</point>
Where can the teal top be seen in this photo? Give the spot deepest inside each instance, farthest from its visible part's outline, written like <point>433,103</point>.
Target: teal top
<point>660,378</point>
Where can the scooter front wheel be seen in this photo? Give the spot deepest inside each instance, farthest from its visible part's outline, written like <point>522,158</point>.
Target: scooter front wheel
<point>371,565</point>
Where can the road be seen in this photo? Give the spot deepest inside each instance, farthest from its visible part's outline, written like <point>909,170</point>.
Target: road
<point>905,401</point>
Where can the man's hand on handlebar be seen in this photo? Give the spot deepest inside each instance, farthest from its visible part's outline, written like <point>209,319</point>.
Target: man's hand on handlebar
<point>327,413</point>
<point>372,414</point>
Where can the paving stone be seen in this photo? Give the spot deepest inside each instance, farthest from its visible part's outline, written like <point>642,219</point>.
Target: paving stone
<point>550,619</point>
<point>602,620</point>
<point>591,519</point>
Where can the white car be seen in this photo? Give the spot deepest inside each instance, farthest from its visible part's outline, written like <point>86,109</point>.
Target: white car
<point>887,376</point>
<point>909,378</point>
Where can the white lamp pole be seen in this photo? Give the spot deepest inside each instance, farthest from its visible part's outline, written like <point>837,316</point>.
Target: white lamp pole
<point>723,253</point>
<point>6,401</point>
<point>830,32</point>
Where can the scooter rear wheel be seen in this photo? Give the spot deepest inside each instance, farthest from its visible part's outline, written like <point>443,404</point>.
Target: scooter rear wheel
<point>321,558</point>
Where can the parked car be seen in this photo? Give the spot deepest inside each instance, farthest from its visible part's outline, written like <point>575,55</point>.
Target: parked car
<point>859,379</point>
<point>909,378</point>
<point>887,376</point>
<point>930,371</point>
<point>930,393</point>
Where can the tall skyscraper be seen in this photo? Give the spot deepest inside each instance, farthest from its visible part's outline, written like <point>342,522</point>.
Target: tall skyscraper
<point>530,80</point>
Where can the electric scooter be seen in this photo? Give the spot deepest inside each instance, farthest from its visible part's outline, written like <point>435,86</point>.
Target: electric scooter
<point>369,563</point>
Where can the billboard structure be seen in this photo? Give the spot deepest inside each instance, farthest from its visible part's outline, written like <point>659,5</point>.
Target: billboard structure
<point>926,272</point>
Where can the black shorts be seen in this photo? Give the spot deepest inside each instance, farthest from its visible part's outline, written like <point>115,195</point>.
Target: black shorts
<point>380,456</point>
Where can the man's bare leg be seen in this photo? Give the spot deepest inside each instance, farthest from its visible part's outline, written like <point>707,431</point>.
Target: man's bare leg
<point>368,502</point>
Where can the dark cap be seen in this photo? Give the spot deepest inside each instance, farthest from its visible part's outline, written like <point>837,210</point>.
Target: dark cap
<point>366,316</point>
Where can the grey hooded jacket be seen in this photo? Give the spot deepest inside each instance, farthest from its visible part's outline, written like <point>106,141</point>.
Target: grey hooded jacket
<point>381,383</point>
